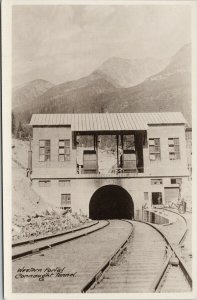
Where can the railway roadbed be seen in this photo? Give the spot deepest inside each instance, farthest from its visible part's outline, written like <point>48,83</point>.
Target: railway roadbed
<point>68,267</point>
<point>149,265</point>
<point>137,270</point>
<point>31,247</point>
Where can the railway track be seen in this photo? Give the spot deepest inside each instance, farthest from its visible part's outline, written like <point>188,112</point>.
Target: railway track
<point>174,275</point>
<point>31,247</point>
<point>80,261</point>
<point>46,237</point>
<point>174,280</point>
<point>136,273</point>
<point>125,256</point>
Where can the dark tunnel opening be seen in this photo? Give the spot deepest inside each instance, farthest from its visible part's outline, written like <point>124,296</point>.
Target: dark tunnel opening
<point>111,202</point>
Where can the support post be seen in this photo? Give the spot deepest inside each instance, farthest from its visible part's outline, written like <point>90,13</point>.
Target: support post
<point>96,149</point>
<point>122,144</point>
<point>75,146</point>
<point>97,152</point>
<point>117,141</point>
<point>122,152</point>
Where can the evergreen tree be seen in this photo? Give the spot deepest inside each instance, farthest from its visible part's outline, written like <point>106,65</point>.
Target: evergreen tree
<point>19,130</point>
<point>102,109</point>
<point>13,124</point>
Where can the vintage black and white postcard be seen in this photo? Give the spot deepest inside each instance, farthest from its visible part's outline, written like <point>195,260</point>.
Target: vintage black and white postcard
<point>98,170</point>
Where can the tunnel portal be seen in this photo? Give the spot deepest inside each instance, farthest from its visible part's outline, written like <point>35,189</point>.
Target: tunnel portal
<point>111,202</point>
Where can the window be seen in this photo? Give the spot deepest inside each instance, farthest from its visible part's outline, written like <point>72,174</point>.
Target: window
<point>64,150</point>
<point>154,149</point>
<point>44,150</point>
<point>66,200</point>
<point>176,180</point>
<point>174,148</point>
<point>64,182</point>
<point>156,181</point>
<point>157,198</point>
<point>44,183</point>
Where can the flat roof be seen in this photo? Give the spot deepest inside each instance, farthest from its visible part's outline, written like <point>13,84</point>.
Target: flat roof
<point>108,121</point>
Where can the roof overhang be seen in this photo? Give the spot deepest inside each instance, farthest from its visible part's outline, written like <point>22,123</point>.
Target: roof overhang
<point>108,122</point>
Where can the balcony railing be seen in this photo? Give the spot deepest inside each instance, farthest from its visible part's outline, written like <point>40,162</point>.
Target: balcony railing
<point>113,171</point>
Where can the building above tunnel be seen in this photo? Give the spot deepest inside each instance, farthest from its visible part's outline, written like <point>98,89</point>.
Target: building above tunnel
<point>72,156</point>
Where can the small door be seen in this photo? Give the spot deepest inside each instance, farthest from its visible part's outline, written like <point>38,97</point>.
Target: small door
<point>157,198</point>
<point>171,194</point>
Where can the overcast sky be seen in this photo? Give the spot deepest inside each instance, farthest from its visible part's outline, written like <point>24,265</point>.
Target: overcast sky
<point>62,43</point>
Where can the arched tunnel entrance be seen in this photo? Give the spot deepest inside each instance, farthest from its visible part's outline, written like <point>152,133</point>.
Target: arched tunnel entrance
<point>111,202</point>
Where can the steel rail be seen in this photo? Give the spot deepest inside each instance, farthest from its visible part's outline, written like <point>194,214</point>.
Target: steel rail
<point>52,235</point>
<point>185,233</point>
<point>49,246</point>
<point>98,275</point>
<point>184,268</point>
<point>173,251</point>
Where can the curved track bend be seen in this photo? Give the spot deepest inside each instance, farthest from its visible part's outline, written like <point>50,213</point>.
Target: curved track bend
<point>123,256</point>
<point>80,259</point>
<point>151,263</point>
<point>136,271</point>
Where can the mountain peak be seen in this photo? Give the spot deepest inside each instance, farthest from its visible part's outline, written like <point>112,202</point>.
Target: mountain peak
<point>115,59</point>
<point>168,89</point>
<point>33,83</point>
<point>179,63</point>
<point>29,91</point>
<point>123,72</point>
<point>182,58</point>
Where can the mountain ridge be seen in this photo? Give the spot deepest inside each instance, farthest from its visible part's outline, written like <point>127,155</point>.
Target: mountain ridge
<point>167,90</point>
<point>126,72</point>
<point>27,92</point>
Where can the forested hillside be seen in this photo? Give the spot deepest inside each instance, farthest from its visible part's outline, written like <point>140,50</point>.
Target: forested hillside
<point>168,90</point>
